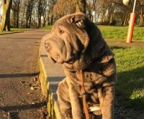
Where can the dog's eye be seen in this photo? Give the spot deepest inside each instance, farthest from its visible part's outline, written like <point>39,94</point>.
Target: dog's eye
<point>61,31</point>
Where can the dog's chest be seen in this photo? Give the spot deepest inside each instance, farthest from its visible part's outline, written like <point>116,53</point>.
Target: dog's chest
<point>92,74</point>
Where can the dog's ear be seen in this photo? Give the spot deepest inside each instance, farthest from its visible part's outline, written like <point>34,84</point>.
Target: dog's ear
<point>79,20</point>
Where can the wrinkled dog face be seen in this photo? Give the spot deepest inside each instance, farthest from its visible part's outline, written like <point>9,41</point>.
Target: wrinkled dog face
<point>67,39</point>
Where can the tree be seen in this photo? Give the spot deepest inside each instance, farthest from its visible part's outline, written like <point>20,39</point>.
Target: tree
<point>63,7</point>
<point>41,12</point>
<point>103,8</point>
<point>50,15</point>
<point>80,5</point>
<point>16,12</point>
<point>29,9</point>
<point>140,12</point>
<point>6,6</point>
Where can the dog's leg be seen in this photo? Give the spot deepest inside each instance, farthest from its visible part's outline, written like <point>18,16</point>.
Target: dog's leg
<point>75,102</point>
<point>106,96</point>
<point>69,101</point>
<point>64,100</point>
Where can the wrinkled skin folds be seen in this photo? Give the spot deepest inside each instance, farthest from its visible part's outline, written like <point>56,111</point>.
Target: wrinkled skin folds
<point>77,44</point>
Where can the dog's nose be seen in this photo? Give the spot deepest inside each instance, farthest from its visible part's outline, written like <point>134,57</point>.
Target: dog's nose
<point>47,45</point>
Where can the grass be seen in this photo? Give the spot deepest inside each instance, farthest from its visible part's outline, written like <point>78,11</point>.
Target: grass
<point>130,67</point>
<point>120,32</point>
<point>117,32</point>
<point>14,30</point>
<point>47,27</point>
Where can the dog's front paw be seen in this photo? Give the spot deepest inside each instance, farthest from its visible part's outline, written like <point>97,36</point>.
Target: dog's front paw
<point>95,109</point>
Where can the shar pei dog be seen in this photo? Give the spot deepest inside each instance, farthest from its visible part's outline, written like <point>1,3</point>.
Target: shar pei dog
<point>77,44</point>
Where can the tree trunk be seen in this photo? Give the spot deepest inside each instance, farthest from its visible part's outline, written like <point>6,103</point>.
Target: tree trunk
<point>141,19</point>
<point>29,10</point>
<point>80,5</point>
<point>17,18</point>
<point>111,18</point>
<point>17,22</point>
<point>102,20</point>
<point>39,21</point>
<point>6,6</point>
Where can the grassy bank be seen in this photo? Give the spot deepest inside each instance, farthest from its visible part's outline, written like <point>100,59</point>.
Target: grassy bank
<point>118,32</point>
<point>130,67</point>
<point>47,27</point>
<point>14,30</point>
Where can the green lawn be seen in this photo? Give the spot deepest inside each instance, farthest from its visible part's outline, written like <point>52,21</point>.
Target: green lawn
<point>120,33</point>
<point>14,30</point>
<point>47,27</point>
<point>130,67</point>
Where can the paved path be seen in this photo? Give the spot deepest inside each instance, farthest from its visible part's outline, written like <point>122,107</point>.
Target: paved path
<point>20,95</point>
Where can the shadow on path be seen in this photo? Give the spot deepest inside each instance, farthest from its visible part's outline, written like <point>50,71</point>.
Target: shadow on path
<point>18,75</point>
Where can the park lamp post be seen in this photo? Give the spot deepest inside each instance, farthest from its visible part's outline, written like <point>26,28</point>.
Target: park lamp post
<point>131,24</point>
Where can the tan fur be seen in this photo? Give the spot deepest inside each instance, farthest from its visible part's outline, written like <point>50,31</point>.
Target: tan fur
<point>77,44</point>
